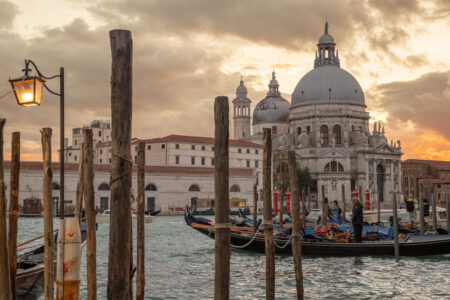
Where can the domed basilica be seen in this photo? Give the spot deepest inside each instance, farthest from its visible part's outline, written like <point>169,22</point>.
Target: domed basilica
<point>327,125</point>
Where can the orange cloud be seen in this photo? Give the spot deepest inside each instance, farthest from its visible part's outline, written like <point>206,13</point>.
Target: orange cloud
<point>429,145</point>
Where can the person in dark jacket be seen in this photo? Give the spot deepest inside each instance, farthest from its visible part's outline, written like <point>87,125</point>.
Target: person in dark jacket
<point>357,220</point>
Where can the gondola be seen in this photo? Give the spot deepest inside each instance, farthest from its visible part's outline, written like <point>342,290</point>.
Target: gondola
<point>152,212</point>
<point>412,245</point>
<point>30,271</point>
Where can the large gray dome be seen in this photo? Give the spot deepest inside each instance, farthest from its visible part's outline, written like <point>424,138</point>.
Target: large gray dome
<point>328,83</point>
<point>273,108</point>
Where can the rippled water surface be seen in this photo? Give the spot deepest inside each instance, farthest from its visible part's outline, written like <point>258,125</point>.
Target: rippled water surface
<point>180,265</point>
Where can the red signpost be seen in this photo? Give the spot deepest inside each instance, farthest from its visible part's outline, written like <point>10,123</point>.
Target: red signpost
<point>275,202</point>
<point>288,201</point>
<point>367,199</point>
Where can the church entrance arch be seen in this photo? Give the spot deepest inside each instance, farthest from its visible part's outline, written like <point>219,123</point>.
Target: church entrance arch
<point>380,183</point>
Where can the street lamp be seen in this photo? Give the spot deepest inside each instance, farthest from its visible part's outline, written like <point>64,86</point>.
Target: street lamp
<point>28,92</point>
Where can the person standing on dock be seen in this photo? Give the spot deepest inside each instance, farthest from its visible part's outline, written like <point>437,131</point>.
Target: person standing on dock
<point>411,209</point>
<point>357,220</point>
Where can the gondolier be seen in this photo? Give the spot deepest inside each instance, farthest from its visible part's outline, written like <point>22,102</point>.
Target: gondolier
<point>411,209</point>
<point>357,220</point>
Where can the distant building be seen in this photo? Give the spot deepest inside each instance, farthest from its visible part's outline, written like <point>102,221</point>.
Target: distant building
<point>424,178</point>
<point>101,132</point>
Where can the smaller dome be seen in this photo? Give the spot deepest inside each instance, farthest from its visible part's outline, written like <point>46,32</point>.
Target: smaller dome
<point>273,108</point>
<point>326,39</point>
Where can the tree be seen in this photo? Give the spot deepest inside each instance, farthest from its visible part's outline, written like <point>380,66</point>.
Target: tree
<point>304,178</point>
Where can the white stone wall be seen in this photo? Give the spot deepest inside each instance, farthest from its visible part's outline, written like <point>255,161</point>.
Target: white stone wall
<point>172,189</point>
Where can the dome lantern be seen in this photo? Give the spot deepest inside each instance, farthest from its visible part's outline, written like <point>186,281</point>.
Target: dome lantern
<point>326,47</point>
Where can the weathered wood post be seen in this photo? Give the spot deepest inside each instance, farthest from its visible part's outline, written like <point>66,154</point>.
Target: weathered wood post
<point>140,279</point>
<point>309,198</point>
<point>255,207</point>
<point>421,216</point>
<point>378,208</point>
<point>324,207</point>
<point>221,189</point>
<point>14,209</point>
<point>121,166</point>
<point>447,206</point>
<point>281,197</point>
<point>433,200</point>
<point>80,187</point>
<point>5,283</point>
<point>48,214</point>
<point>395,220</point>
<point>296,226</point>
<point>303,207</point>
<point>89,198</point>
<point>268,223</point>
<point>344,205</point>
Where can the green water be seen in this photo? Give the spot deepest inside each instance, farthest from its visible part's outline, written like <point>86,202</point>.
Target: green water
<point>180,265</point>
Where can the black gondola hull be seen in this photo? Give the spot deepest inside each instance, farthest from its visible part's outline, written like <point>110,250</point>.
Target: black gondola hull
<point>433,245</point>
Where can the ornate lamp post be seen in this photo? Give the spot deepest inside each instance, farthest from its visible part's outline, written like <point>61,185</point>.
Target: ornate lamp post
<point>28,92</point>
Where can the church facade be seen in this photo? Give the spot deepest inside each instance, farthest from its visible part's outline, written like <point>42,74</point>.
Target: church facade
<point>327,125</point>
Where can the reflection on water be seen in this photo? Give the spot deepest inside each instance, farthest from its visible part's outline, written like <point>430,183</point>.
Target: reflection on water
<point>180,265</point>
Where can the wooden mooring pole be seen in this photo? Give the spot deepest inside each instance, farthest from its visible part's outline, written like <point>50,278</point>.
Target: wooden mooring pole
<point>395,220</point>
<point>421,216</point>
<point>255,207</point>
<point>296,226</point>
<point>80,187</point>
<point>447,206</point>
<point>344,205</point>
<point>49,239</point>
<point>89,198</point>
<point>281,197</point>
<point>5,283</point>
<point>14,209</point>
<point>140,279</point>
<point>303,193</point>
<point>268,223</point>
<point>120,257</point>
<point>433,201</point>
<point>221,189</point>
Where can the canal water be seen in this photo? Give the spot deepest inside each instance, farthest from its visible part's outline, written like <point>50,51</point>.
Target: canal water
<point>180,265</point>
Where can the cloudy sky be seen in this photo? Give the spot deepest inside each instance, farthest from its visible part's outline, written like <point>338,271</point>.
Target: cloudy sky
<point>187,52</point>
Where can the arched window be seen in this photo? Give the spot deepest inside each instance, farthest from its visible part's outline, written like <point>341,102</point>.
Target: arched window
<point>103,187</point>
<point>361,129</point>
<point>299,130</point>
<point>324,135</point>
<point>337,134</point>
<point>235,188</point>
<point>194,188</point>
<point>55,186</point>
<point>151,187</point>
<point>333,167</point>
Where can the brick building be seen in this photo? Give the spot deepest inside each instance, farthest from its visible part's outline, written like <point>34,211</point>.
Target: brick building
<point>424,178</point>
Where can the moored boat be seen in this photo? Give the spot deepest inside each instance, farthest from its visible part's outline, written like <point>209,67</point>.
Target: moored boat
<point>411,245</point>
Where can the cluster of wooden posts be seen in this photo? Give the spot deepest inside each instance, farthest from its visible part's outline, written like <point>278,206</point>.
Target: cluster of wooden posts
<point>120,266</point>
<point>222,224</point>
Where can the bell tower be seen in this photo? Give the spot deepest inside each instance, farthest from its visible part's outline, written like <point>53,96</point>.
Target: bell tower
<point>241,112</point>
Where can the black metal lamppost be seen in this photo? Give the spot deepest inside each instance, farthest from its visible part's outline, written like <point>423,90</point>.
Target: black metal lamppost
<point>28,92</point>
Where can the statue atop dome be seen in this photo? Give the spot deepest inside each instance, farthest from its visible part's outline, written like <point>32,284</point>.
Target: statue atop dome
<point>326,27</point>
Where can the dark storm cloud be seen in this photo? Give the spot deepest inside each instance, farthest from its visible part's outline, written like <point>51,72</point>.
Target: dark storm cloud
<point>175,82</point>
<point>285,23</point>
<point>423,101</point>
